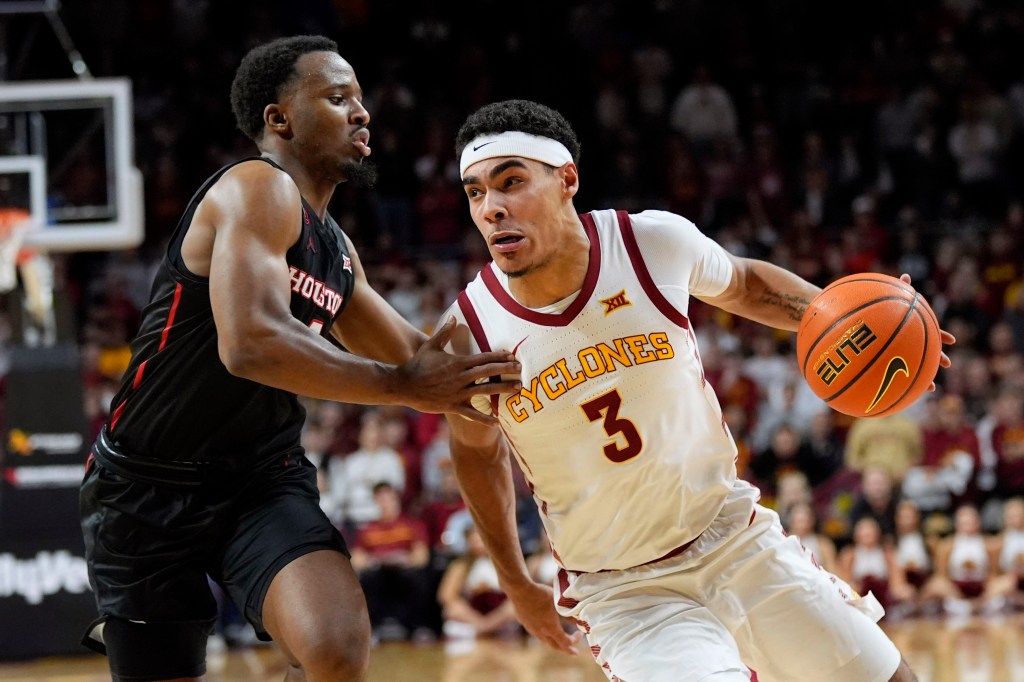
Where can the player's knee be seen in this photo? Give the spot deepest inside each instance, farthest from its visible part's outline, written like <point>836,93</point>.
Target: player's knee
<point>339,652</point>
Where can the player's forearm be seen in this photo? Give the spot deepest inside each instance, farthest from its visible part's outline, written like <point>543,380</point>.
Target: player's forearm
<point>770,295</point>
<point>485,477</point>
<point>288,356</point>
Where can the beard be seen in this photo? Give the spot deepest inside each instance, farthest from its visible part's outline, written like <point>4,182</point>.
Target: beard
<point>360,173</point>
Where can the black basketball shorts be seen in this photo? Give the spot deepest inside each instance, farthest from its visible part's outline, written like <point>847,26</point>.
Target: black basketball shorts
<point>150,547</point>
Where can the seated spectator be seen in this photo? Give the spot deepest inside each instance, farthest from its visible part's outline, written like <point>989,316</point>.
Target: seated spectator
<point>1010,547</point>
<point>802,523</point>
<point>867,564</point>
<point>913,550</point>
<point>351,479</point>
<point>965,564</point>
<point>788,452</point>
<point>913,564</point>
<point>391,555</point>
<point>943,479</point>
<point>472,601</point>
<point>877,500</point>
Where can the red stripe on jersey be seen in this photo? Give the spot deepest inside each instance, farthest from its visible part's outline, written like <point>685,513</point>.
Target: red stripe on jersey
<point>117,414</point>
<point>473,320</point>
<point>563,585</point>
<point>646,281</point>
<point>569,314</point>
<point>138,375</point>
<point>170,318</point>
<point>142,367</point>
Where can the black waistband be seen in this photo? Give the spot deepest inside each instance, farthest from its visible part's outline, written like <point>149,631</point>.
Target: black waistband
<point>149,469</point>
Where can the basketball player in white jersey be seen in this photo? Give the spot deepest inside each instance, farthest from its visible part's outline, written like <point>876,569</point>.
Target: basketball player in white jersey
<point>668,564</point>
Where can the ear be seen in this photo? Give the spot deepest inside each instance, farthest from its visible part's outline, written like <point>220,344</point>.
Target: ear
<point>276,120</point>
<point>570,180</point>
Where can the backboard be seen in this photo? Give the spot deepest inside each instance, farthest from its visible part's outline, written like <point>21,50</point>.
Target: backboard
<point>78,134</point>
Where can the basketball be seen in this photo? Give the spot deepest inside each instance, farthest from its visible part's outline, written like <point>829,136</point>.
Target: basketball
<point>869,345</point>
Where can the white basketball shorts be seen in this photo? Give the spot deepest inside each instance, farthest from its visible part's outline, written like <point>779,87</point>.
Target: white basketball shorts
<point>758,601</point>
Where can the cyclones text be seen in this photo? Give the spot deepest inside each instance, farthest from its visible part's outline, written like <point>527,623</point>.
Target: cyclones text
<point>557,379</point>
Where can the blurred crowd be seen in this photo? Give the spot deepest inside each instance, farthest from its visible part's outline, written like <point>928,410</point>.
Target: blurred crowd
<point>889,138</point>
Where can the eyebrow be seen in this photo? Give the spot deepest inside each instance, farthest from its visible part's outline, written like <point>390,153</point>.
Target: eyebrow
<point>496,171</point>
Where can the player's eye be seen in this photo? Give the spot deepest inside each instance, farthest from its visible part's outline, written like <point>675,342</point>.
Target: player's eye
<point>336,99</point>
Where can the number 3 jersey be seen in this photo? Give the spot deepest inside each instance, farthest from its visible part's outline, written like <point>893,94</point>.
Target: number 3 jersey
<point>618,433</point>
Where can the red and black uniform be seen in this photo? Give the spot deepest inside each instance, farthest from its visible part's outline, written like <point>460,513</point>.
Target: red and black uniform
<point>199,472</point>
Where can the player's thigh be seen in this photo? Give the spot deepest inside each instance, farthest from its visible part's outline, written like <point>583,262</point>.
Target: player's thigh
<point>799,625</point>
<point>280,524</point>
<point>661,638</point>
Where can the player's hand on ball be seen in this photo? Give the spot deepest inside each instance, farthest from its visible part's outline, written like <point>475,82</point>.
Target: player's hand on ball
<point>947,338</point>
<point>436,381</point>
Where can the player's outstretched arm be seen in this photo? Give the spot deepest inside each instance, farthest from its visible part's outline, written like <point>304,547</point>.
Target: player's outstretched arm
<point>253,210</point>
<point>482,463</point>
<point>765,293</point>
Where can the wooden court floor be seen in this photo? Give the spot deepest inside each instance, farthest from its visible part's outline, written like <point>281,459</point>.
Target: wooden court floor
<point>967,650</point>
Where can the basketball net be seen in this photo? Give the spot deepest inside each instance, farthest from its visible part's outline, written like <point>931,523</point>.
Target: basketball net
<point>36,276</point>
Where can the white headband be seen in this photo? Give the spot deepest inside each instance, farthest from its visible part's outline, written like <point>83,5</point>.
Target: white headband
<point>511,143</point>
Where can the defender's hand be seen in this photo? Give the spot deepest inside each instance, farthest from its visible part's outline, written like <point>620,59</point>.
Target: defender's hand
<point>437,381</point>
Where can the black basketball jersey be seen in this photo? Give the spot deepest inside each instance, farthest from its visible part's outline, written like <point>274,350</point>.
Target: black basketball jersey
<point>177,400</point>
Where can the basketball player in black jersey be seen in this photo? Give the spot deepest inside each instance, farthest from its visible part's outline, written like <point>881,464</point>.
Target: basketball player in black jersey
<point>199,470</point>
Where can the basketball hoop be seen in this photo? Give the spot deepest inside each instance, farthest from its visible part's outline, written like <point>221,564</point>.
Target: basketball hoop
<point>14,225</point>
<point>36,277</point>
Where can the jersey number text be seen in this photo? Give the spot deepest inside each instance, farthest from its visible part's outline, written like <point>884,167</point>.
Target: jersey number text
<point>607,406</point>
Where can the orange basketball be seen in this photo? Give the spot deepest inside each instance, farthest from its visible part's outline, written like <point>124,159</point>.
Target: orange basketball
<point>869,345</point>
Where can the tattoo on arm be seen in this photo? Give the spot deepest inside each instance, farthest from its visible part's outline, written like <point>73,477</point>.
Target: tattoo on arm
<point>793,305</point>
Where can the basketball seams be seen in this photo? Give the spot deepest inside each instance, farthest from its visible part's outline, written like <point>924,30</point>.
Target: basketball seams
<point>840,321</point>
<point>881,351</point>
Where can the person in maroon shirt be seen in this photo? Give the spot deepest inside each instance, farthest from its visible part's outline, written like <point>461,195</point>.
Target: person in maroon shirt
<point>1008,442</point>
<point>391,556</point>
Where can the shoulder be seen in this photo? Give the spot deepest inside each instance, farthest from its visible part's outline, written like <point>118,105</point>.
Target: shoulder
<point>255,182</point>
<point>654,224</point>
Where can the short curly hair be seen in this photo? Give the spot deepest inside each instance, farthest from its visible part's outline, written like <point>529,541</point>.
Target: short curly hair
<point>519,115</point>
<point>262,75</point>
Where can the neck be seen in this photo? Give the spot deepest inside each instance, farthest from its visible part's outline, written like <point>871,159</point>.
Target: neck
<point>316,189</point>
<point>562,274</point>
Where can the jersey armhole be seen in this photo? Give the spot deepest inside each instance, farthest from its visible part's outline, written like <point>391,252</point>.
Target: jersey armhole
<point>644,275</point>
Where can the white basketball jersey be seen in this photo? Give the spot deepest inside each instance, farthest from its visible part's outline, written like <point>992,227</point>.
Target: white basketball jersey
<point>968,560</point>
<point>619,435</point>
<point>912,553</point>
<point>1011,556</point>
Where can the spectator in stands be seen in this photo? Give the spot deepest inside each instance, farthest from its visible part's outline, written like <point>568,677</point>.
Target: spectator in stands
<point>913,565</point>
<point>944,478</point>
<point>893,442</point>
<point>802,522</point>
<point>350,484</point>
<point>876,500</point>
<point>965,564</point>
<point>1010,550</point>
<point>1007,442</point>
<point>391,555</point>
<point>704,112</point>
<point>471,599</point>
<point>867,563</point>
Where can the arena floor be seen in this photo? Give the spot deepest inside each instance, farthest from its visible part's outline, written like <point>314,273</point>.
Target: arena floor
<point>967,650</point>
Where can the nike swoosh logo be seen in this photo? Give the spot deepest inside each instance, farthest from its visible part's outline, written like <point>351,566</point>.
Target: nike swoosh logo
<point>516,349</point>
<point>896,365</point>
<point>483,145</point>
